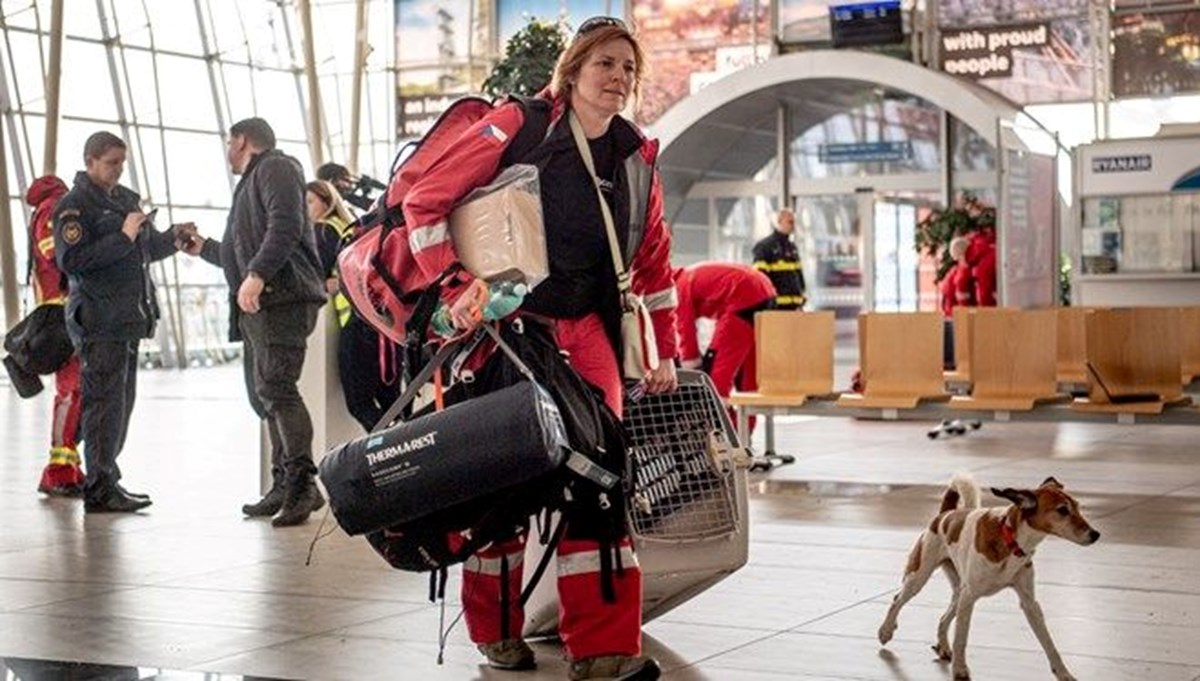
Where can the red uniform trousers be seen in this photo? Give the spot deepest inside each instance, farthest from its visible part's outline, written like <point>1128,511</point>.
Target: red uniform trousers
<point>587,624</point>
<point>67,406</point>
<point>734,358</point>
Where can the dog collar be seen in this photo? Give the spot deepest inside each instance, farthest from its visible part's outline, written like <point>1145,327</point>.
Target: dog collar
<point>1010,539</point>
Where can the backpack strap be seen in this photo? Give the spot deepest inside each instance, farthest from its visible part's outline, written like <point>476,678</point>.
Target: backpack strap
<point>533,129</point>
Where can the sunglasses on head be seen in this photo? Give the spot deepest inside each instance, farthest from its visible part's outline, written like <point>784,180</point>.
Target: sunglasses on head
<point>597,22</point>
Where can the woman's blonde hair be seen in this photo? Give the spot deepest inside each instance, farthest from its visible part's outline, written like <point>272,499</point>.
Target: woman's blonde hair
<point>571,61</point>
<point>329,195</point>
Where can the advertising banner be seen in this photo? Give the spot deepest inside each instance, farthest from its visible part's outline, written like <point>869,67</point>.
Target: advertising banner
<point>1156,54</point>
<point>442,49</point>
<point>514,14</point>
<point>1030,51</point>
<point>683,38</point>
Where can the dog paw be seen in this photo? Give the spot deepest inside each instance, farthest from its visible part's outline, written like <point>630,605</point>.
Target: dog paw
<point>943,651</point>
<point>885,633</point>
<point>1063,675</point>
<point>963,674</point>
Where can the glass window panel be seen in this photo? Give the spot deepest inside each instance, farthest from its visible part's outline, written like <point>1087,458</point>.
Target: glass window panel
<point>299,151</point>
<point>226,30</point>
<point>151,175</point>
<point>87,83</point>
<point>140,67</point>
<point>130,23</point>
<point>174,25</point>
<point>236,83</point>
<point>31,156</point>
<point>82,20</point>
<point>197,167</point>
<point>279,103</point>
<point>21,13</point>
<point>971,151</point>
<point>185,92</point>
<point>27,77</point>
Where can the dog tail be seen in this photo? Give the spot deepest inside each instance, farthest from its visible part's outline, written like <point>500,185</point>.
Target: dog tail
<point>963,491</point>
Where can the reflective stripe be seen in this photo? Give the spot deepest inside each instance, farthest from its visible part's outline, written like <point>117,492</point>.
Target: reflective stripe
<point>342,305</point>
<point>46,246</point>
<point>790,300</point>
<point>661,300</point>
<point>64,455</point>
<point>491,566</point>
<point>588,562</point>
<point>425,237</point>
<point>780,266</point>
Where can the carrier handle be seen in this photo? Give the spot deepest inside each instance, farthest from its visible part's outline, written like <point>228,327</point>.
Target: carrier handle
<point>414,386</point>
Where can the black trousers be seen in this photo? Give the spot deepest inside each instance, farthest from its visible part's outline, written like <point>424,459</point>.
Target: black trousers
<point>367,394</point>
<point>275,341</point>
<point>109,380</point>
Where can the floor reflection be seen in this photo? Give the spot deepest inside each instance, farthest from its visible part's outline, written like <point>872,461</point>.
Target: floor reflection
<point>819,488</point>
<point>24,669</point>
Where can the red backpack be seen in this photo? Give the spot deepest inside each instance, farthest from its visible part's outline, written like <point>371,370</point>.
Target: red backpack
<point>372,266</point>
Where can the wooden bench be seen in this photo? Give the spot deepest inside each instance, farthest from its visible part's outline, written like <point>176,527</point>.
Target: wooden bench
<point>1071,364</point>
<point>1133,358</point>
<point>901,360</point>
<point>1012,360</point>
<point>1189,339</point>
<point>795,358</point>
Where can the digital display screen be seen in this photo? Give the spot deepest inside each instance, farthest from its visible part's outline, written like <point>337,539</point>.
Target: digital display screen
<point>867,23</point>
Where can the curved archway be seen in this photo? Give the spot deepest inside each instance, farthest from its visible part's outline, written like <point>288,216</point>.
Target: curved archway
<point>729,130</point>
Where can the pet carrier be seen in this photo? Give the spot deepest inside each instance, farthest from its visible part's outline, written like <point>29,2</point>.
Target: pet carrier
<point>687,512</point>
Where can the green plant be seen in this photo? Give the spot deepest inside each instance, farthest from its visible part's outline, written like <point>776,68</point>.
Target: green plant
<point>940,227</point>
<point>529,59</point>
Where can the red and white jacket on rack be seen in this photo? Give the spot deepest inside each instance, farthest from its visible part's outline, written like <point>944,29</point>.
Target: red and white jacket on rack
<point>475,159</point>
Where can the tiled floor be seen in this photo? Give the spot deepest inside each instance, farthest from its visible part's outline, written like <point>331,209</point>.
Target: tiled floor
<point>190,585</point>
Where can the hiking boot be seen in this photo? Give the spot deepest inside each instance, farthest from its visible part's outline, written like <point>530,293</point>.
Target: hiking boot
<point>511,653</point>
<point>300,499</point>
<point>615,667</point>
<point>61,480</point>
<point>268,506</point>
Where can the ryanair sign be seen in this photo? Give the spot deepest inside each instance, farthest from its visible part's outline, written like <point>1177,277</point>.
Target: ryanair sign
<point>1139,163</point>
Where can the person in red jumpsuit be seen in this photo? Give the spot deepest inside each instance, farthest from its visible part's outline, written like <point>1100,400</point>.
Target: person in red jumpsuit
<point>597,76</point>
<point>62,476</point>
<point>981,255</point>
<point>958,286</point>
<point>730,294</point>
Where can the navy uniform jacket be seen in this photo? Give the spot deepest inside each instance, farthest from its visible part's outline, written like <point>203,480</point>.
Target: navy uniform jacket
<point>111,293</point>
<point>777,257</point>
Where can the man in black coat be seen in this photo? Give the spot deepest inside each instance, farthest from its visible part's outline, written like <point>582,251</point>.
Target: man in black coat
<point>776,256</point>
<point>269,256</point>
<point>105,244</point>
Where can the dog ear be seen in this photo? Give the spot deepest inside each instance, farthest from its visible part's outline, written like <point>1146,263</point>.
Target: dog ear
<point>1051,482</point>
<point>1024,499</point>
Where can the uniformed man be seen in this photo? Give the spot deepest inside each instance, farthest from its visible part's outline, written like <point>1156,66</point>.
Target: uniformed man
<point>104,243</point>
<point>269,256</point>
<point>777,257</point>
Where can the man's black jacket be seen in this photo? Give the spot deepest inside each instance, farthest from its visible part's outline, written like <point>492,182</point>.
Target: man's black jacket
<point>268,233</point>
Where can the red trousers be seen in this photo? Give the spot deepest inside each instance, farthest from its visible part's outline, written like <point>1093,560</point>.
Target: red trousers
<point>64,427</point>
<point>587,624</point>
<point>734,358</point>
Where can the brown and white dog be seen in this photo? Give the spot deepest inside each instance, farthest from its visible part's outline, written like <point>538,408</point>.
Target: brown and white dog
<point>984,550</point>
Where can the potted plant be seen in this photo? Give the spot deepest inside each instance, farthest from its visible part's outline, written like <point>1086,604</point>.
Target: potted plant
<point>937,229</point>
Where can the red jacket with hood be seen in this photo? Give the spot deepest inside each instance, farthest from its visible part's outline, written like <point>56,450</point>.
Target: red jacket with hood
<point>49,284</point>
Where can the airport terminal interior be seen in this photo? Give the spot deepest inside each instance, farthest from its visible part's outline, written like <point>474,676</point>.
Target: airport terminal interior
<point>774,526</point>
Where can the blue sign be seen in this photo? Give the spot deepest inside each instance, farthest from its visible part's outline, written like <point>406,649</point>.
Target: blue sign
<point>865,152</point>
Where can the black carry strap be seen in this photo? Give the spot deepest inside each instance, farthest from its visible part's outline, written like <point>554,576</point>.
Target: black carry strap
<point>414,386</point>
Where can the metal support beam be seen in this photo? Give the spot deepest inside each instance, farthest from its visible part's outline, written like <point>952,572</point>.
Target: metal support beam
<point>53,83</point>
<point>360,67</point>
<point>783,133</point>
<point>316,135</point>
<point>8,254</point>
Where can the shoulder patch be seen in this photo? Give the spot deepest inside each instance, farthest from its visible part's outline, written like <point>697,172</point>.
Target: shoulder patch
<point>72,232</point>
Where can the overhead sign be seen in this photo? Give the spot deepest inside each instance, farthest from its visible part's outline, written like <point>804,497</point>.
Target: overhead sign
<point>1140,163</point>
<point>867,23</point>
<point>865,152</point>
<point>987,51</point>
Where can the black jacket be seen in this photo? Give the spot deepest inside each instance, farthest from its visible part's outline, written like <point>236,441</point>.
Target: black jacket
<point>111,293</point>
<point>268,233</point>
<point>777,257</point>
